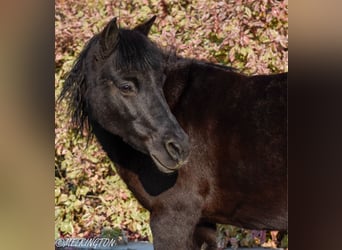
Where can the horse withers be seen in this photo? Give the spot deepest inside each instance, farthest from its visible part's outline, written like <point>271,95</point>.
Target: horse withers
<point>197,143</point>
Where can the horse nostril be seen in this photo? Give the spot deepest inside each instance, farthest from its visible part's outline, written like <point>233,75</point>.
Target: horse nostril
<point>174,150</point>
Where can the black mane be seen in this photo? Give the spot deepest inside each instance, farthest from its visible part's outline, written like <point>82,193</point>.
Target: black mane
<point>74,89</point>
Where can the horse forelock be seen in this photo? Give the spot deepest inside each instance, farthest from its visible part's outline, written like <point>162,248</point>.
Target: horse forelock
<point>136,52</point>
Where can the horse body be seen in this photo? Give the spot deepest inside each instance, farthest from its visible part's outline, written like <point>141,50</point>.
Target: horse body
<point>235,171</point>
<point>237,128</point>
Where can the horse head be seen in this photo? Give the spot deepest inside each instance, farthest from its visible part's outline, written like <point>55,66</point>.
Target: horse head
<point>117,83</point>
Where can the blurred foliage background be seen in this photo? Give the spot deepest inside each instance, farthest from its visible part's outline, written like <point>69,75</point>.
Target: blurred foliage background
<point>250,35</point>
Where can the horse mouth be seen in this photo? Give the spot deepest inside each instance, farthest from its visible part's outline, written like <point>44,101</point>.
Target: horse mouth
<point>162,167</point>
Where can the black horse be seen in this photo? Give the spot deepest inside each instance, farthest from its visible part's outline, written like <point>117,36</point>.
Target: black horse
<point>196,143</point>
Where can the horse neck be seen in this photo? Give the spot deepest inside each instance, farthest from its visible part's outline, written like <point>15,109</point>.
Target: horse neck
<point>180,73</point>
<point>177,77</point>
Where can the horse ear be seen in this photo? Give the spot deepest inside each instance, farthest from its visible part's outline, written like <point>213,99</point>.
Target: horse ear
<point>109,36</point>
<point>145,27</point>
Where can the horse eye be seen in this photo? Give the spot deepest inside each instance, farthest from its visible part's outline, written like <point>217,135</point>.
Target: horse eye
<point>126,88</point>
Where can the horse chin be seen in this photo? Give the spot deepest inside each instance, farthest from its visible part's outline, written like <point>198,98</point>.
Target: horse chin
<point>163,167</point>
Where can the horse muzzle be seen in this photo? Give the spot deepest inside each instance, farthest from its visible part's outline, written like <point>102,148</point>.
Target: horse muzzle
<point>172,153</point>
